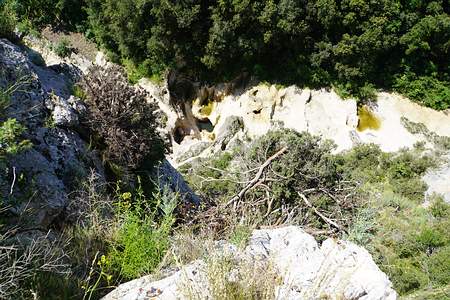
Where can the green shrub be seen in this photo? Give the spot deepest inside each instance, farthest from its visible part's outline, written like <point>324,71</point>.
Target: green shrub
<point>143,237</point>
<point>62,48</point>
<point>410,244</point>
<point>137,72</point>
<point>381,208</point>
<point>220,183</point>
<point>10,130</point>
<point>439,208</point>
<point>78,92</point>
<point>426,90</point>
<point>240,235</point>
<point>139,247</point>
<point>430,238</point>
<point>437,266</point>
<point>7,21</point>
<point>407,276</point>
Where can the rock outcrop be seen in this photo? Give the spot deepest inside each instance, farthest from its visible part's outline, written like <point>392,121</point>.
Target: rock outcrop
<point>333,270</point>
<point>320,112</point>
<point>59,157</point>
<point>438,180</point>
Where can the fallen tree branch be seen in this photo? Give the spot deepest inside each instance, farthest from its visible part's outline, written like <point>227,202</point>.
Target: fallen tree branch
<point>257,177</point>
<point>317,212</point>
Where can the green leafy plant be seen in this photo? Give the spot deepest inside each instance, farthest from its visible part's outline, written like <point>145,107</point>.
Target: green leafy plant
<point>143,236</point>
<point>10,131</point>
<point>62,48</point>
<point>8,20</point>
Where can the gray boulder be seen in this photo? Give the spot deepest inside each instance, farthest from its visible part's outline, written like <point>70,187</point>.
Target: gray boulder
<point>169,177</point>
<point>40,180</point>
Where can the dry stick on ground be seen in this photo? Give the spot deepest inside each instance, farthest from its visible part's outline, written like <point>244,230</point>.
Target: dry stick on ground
<point>255,180</point>
<point>327,220</point>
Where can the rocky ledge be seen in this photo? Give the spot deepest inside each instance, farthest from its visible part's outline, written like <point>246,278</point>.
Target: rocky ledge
<point>304,270</point>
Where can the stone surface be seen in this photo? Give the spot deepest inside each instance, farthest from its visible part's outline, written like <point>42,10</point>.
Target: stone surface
<point>59,157</point>
<point>334,270</point>
<point>169,177</point>
<point>65,112</point>
<point>438,180</point>
<point>321,112</point>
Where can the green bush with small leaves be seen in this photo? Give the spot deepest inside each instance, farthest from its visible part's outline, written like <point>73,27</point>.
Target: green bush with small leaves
<point>8,20</point>
<point>62,48</point>
<point>383,212</point>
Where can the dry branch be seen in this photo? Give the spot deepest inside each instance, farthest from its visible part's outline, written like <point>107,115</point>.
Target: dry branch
<point>255,180</point>
<point>317,212</point>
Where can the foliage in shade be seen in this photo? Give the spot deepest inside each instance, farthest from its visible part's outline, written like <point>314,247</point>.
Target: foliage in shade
<point>355,46</point>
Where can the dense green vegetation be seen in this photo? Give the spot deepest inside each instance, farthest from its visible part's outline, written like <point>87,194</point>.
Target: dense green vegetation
<point>7,21</point>
<point>352,45</point>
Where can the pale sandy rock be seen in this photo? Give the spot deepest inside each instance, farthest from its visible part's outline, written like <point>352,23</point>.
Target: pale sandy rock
<point>330,117</point>
<point>101,59</point>
<point>438,181</point>
<point>436,121</point>
<point>320,112</point>
<point>291,106</point>
<point>392,135</point>
<point>335,270</point>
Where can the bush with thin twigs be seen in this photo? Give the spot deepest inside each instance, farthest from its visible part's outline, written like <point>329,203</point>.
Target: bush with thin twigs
<point>365,195</point>
<point>122,121</point>
<point>306,167</point>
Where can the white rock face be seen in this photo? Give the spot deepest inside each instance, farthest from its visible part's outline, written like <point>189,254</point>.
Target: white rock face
<point>320,112</point>
<point>393,135</point>
<point>332,118</point>
<point>335,270</point>
<point>438,181</point>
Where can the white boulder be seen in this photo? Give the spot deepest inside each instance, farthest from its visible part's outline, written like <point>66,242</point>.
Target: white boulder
<point>334,270</point>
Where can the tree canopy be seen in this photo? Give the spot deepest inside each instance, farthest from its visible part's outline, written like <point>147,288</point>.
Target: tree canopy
<point>354,45</point>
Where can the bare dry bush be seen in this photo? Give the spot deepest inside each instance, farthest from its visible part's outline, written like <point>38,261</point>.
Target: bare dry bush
<point>90,223</point>
<point>121,118</point>
<point>91,205</point>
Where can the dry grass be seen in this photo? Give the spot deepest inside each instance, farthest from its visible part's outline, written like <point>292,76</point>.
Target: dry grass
<point>22,259</point>
<point>225,276</point>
